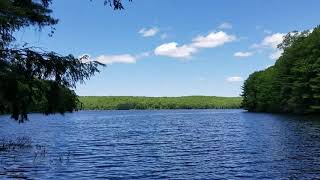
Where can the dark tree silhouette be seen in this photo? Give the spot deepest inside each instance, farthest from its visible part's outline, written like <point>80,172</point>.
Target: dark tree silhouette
<point>32,79</point>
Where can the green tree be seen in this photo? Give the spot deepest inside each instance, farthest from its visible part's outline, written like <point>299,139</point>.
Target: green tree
<point>32,79</point>
<point>293,84</point>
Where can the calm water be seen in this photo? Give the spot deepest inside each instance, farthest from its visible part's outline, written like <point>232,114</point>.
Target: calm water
<point>181,144</point>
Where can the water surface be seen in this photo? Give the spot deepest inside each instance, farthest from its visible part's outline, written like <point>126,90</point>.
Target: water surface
<point>176,144</point>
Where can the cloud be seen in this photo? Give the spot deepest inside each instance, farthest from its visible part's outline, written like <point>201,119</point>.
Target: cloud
<point>225,25</point>
<point>213,39</point>
<point>173,50</point>
<point>271,42</point>
<point>243,54</point>
<point>112,59</point>
<point>148,32</point>
<point>235,79</point>
<point>276,54</point>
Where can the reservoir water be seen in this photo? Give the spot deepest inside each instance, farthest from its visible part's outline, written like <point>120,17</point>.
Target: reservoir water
<point>164,144</point>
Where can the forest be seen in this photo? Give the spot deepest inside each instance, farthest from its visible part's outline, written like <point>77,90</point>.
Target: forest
<point>186,102</point>
<point>292,85</point>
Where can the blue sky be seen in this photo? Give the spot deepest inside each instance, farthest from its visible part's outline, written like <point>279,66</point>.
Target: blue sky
<point>174,47</point>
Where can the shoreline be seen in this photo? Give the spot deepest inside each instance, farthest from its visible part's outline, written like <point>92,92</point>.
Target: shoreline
<point>158,103</point>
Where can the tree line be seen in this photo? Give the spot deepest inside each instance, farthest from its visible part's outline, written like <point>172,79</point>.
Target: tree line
<point>292,85</point>
<point>186,102</point>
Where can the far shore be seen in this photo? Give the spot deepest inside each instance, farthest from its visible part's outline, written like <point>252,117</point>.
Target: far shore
<point>158,103</point>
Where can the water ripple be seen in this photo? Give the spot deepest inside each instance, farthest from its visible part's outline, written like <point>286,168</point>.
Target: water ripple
<point>181,144</point>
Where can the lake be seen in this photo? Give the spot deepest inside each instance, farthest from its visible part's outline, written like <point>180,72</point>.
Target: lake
<point>164,144</point>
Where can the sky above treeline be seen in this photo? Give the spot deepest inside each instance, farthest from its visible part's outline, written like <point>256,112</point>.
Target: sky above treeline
<point>173,47</point>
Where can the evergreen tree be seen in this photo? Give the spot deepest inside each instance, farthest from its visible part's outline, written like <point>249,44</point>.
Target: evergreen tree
<point>32,79</point>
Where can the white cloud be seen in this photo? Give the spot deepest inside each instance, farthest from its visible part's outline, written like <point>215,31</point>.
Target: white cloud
<point>273,40</point>
<point>243,54</point>
<point>276,54</point>
<point>213,39</point>
<point>111,59</point>
<point>173,50</point>
<point>235,79</point>
<point>225,25</point>
<point>148,32</point>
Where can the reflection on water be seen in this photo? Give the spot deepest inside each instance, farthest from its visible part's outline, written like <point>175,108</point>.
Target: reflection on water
<point>182,144</point>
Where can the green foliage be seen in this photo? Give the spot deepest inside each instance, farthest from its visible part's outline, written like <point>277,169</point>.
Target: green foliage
<point>187,102</point>
<point>32,79</point>
<point>292,85</point>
